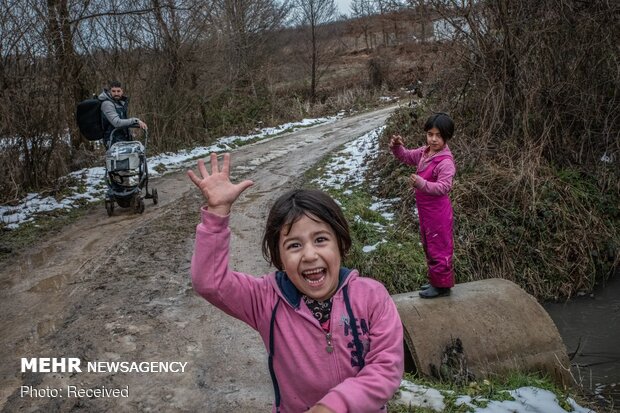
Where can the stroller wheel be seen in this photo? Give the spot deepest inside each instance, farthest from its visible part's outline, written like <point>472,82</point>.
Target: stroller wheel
<point>123,203</point>
<point>154,196</point>
<point>109,207</point>
<point>139,205</point>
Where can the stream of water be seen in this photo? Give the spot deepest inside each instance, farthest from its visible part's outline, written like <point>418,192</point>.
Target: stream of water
<point>590,328</point>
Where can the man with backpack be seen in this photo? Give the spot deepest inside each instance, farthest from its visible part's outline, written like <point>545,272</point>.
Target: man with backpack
<point>114,115</point>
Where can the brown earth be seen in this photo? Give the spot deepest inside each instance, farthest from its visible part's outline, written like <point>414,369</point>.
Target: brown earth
<point>118,289</point>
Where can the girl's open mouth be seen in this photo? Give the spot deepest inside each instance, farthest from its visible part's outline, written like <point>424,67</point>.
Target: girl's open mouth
<point>315,276</point>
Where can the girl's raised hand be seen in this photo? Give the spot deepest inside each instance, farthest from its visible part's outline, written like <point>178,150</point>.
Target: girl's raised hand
<point>396,140</point>
<point>216,187</point>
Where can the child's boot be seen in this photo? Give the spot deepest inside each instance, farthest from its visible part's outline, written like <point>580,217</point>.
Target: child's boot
<point>433,292</point>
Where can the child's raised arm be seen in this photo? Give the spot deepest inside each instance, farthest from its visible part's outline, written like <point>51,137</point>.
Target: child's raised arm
<point>407,156</point>
<point>217,188</point>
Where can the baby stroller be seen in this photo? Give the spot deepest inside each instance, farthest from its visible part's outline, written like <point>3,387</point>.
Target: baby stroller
<point>126,175</point>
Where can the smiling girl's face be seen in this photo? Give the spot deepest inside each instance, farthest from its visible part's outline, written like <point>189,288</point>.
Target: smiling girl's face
<point>310,257</point>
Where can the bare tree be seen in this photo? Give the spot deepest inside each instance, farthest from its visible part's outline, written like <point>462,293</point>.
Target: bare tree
<point>39,75</point>
<point>388,10</point>
<point>421,8</point>
<point>246,28</point>
<point>361,12</point>
<point>52,54</point>
<point>312,15</point>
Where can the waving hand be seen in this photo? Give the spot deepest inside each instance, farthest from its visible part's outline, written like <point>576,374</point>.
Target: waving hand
<point>216,187</point>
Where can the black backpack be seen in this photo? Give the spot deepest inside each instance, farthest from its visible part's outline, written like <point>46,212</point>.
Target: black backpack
<point>88,116</point>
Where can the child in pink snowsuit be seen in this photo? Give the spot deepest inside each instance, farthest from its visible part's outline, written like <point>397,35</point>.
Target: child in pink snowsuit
<point>431,184</point>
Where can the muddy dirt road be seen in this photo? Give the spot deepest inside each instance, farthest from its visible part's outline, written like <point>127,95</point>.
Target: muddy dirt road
<point>118,290</point>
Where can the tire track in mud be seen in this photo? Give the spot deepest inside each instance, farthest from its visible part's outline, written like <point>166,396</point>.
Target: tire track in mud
<point>118,289</point>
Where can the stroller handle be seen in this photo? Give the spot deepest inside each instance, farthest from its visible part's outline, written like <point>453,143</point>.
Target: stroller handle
<point>116,130</point>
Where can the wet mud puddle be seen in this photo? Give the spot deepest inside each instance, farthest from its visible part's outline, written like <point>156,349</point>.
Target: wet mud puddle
<point>590,328</point>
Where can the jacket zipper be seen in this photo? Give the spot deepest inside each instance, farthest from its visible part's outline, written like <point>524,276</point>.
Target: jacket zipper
<point>328,338</point>
<point>329,346</point>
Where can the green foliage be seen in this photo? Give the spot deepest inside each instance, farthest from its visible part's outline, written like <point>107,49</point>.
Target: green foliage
<point>399,408</point>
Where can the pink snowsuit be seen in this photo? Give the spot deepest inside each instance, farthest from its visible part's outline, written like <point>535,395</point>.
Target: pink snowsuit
<point>434,209</point>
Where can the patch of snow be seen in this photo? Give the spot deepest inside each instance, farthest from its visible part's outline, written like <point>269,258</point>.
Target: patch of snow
<point>349,165</point>
<point>384,206</point>
<point>526,400</point>
<point>370,248</point>
<point>529,400</point>
<point>607,158</point>
<point>412,394</point>
<point>388,98</point>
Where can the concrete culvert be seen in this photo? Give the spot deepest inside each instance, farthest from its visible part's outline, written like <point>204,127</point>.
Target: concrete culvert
<point>483,328</point>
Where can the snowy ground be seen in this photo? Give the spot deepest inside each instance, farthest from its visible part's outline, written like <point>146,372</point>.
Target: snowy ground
<point>526,400</point>
<point>346,169</point>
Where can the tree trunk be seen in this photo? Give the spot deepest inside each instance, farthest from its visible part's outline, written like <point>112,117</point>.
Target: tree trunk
<point>69,87</point>
<point>314,66</point>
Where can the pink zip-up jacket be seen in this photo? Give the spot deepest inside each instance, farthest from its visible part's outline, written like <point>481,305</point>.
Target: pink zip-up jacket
<point>309,365</point>
<point>444,171</point>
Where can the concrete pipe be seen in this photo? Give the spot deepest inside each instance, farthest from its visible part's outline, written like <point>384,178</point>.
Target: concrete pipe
<point>484,328</point>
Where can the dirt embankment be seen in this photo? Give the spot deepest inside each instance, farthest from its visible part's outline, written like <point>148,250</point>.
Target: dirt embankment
<point>118,289</point>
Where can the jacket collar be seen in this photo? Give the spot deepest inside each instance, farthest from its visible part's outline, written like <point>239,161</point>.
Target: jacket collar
<point>292,295</point>
<point>445,151</point>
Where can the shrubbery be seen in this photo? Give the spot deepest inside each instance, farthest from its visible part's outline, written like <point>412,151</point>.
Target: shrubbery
<point>535,197</point>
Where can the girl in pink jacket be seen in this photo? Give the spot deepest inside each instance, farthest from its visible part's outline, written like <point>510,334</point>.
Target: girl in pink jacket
<point>335,339</point>
<point>431,184</point>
